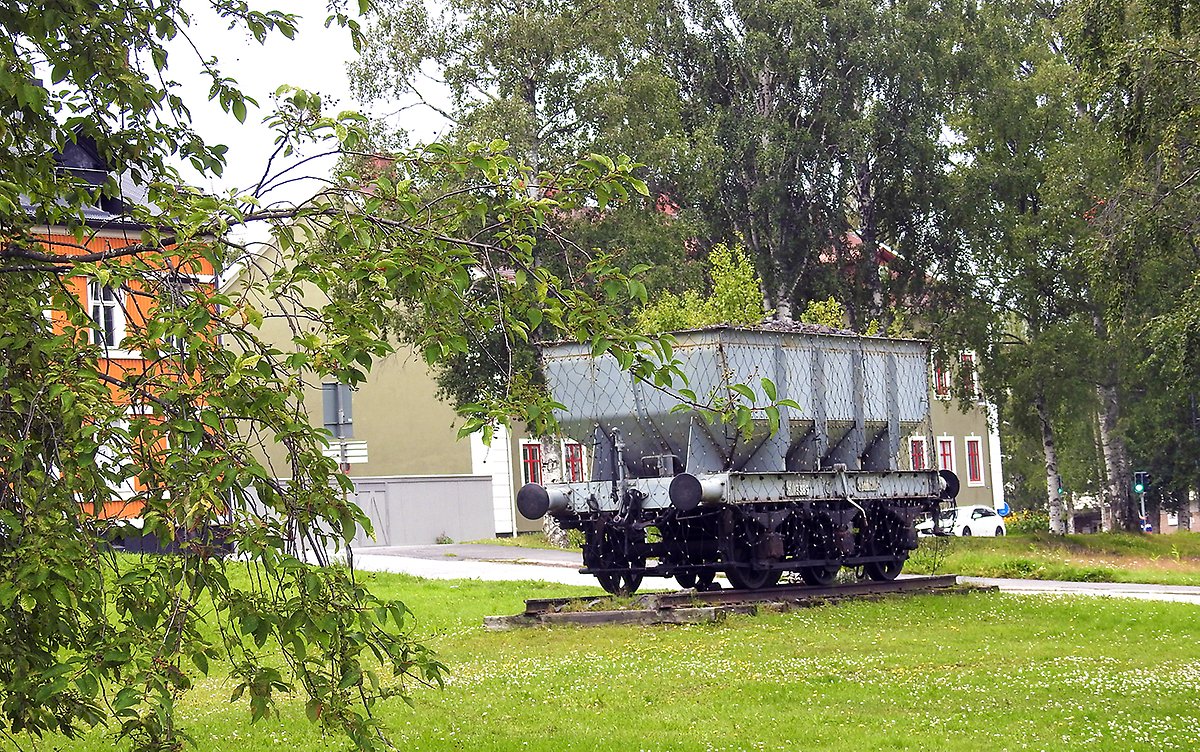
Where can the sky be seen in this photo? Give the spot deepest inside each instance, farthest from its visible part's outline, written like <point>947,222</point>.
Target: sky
<point>315,60</point>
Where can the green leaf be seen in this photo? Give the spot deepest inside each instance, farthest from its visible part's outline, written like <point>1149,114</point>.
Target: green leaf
<point>201,662</point>
<point>744,391</point>
<point>768,388</point>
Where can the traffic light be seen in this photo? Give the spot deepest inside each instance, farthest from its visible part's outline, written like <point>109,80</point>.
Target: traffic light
<point>1141,481</point>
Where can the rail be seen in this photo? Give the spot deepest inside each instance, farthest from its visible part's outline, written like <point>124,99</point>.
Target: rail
<point>796,594</point>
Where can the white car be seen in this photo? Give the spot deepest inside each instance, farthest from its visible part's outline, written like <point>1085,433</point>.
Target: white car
<point>974,520</point>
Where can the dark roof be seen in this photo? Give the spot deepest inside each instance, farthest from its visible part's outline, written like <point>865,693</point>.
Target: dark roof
<point>81,158</point>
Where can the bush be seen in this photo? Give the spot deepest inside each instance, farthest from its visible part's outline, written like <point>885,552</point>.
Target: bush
<point>1027,521</point>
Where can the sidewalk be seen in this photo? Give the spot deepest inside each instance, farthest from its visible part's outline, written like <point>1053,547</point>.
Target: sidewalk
<point>483,561</point>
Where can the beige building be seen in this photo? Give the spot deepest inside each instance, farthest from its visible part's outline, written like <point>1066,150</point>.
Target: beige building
<point>963,436</point>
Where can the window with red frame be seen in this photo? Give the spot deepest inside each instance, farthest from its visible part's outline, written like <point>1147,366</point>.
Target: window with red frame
<point>917,452</point>
<point>970,378</point>
<point>974,462</point>
<point>574,463</point>
<point>946,454</point>
<point>531,462</point>
<point>941,380</point>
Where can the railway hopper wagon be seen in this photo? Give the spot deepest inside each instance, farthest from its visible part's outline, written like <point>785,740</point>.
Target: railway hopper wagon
<point>671,494</point>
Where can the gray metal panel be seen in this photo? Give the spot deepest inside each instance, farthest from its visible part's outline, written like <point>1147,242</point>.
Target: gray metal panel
<point>337,407</point>
<point>844,385</point>
<point>418,510</point>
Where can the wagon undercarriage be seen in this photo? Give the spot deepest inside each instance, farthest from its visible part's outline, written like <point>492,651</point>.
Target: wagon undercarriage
<point>753,544</point>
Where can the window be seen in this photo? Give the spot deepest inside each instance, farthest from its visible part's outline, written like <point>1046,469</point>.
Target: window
<point>974,461</point>
<point>112,460</point>
<point>531,462</point>
<point>107,313</point>
<point>178,293</point>
<point>916,451</point>
<point>941,380</point>
<point>574,457</point>
<point>969,375</point>
<point>946,453</point>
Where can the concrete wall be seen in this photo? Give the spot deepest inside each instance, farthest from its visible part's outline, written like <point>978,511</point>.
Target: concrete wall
<point>419,510</point>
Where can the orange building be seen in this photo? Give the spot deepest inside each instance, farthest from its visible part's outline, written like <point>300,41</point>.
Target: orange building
<point>119,312</point>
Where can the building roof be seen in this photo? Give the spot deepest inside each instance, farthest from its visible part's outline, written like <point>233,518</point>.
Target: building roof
<point>81,159</point>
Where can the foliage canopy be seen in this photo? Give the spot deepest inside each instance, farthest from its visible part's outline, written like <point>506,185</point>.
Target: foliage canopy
<point>88,636</point>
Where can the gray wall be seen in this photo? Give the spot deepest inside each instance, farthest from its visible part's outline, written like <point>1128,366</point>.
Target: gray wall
<point>411,510</point>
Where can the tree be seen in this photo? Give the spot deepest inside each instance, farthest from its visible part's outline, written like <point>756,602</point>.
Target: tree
<point>556,79</point>
<point>822,123</point>
<point>88,636</point>
<point>734,297</point>
<point>1137,63</point>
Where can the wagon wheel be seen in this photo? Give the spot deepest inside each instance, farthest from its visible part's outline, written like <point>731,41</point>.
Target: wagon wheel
<point>624,583</point>
<point>686,579</point>
<point>884,570</point>
<point>612,556</point>
<point>883,543</point>
<point>740,565</point>
<point>746,577</point>
<point>820,576</point>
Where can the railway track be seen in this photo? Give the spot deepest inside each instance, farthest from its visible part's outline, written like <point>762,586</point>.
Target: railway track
<point>712,605</point>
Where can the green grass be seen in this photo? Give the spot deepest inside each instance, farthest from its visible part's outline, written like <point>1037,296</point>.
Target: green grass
<point>1108,557</point>
<point>524,540</point>
<point>981,672</point>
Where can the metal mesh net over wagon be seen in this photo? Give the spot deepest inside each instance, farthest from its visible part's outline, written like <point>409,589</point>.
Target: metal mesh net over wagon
<point>858,398</point>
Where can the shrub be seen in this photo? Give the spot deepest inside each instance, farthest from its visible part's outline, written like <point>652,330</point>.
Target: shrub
<point>1028,521</point>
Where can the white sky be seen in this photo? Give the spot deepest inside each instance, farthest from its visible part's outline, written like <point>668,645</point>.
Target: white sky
<point>315,60</point>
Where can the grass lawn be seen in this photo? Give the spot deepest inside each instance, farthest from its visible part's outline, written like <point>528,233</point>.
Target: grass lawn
<point>961,672</point>
<point>1105,557</point>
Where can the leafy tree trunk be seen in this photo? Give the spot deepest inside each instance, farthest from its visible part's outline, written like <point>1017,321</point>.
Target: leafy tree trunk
<point>1053,483</point>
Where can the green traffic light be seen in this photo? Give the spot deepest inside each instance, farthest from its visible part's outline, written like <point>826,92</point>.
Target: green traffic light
<point>1139,487</point>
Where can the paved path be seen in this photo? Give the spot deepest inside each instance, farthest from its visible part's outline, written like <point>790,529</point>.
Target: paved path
<point>481,561</point>
<point>1179,593</point>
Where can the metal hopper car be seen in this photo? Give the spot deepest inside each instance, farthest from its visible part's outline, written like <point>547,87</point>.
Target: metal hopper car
<point>671,495</point>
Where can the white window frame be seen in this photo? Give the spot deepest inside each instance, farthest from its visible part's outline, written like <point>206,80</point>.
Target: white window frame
<point>933,379</point>
<point>108,458</point>
<point>912,443</point>
<point>187,283</point>
<point>97,305</point>
<point>978,442</point>
<point>541,461</point>
<point>953,454</point>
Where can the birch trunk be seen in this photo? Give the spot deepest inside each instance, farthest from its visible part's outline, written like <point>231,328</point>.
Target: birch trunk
<point>783,308</point>
<point>1105,500</point>
<point>552,472</point>
<point>1054,500</point>
<point>1125,515</point>
<point>1116,467</point>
